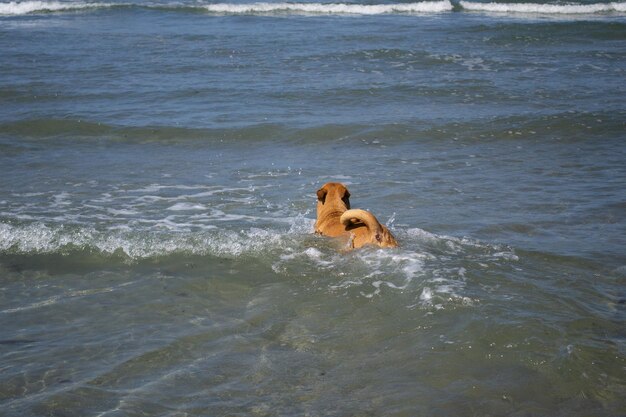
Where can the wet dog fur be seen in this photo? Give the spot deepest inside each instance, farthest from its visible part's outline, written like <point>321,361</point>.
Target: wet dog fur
<point>356,227</point>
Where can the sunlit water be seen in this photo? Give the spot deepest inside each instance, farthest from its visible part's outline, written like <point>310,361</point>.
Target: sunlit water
<point>158,168</point>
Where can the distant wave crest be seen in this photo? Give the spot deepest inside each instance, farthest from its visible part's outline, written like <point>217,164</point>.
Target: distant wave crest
<point>539,8</point>
<point>25,7</point>
<point>15,8</point>
<point>331,8</point>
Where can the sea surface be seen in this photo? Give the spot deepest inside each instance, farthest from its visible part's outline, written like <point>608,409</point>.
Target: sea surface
<point>158,168</point>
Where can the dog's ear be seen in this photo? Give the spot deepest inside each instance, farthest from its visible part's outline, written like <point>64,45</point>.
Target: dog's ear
<point>321,194</point>
<point>346,198</point>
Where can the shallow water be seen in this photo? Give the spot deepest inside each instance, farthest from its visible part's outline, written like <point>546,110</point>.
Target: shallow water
<point>159,164</point>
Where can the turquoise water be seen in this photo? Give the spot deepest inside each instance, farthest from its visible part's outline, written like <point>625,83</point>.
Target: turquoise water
<point>159,163</point>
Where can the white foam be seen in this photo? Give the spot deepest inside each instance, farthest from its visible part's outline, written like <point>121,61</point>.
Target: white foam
<point>25,7</point>
<point>122,212</point>
<point>457,245</point>
<point>313,253</point>
<point>536,8</point>
<point>330,8</point>
<point>38,238</point>
<point>509,256</point>
<point>219,215</point>
<point>370,271</point>
<point>16,8</point>
<point>61,199</point>
<point>378,284</point>
<point>152,188</point>
<point>453,244</point>
<point>186,207</point>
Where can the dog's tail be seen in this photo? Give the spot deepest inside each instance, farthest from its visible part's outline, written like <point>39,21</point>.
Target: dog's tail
<point>355,216</point>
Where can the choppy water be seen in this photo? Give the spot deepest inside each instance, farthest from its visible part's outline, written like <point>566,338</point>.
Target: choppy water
<point>158,169</point>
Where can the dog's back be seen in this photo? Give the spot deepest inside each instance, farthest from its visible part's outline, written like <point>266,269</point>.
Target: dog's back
<point>336,219</point>
<point>366,229</point>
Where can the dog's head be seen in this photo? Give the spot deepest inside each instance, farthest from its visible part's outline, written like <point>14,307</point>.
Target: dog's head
<point>333,194</point>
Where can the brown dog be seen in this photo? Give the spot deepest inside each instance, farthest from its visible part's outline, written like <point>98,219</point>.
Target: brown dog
<point>357,227</point>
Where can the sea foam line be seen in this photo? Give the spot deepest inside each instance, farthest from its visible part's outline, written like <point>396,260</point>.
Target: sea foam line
<point>15,8</point>
<point>536,8</point>
<point>330,8</point>
<point>38,238</point>
<point>26,7</point>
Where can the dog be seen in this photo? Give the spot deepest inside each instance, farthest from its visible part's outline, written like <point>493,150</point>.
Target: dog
<point>357,227</point>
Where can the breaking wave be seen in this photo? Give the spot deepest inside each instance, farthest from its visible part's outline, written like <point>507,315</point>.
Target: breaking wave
<point>431,266</point>
<point>16,8</point>
<point>37,238</point>
<point>539,8</point>
<point>26,7</point>
<point>330,8</point>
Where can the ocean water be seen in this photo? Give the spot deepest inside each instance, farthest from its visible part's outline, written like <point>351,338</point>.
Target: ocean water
<point>158,168</point>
